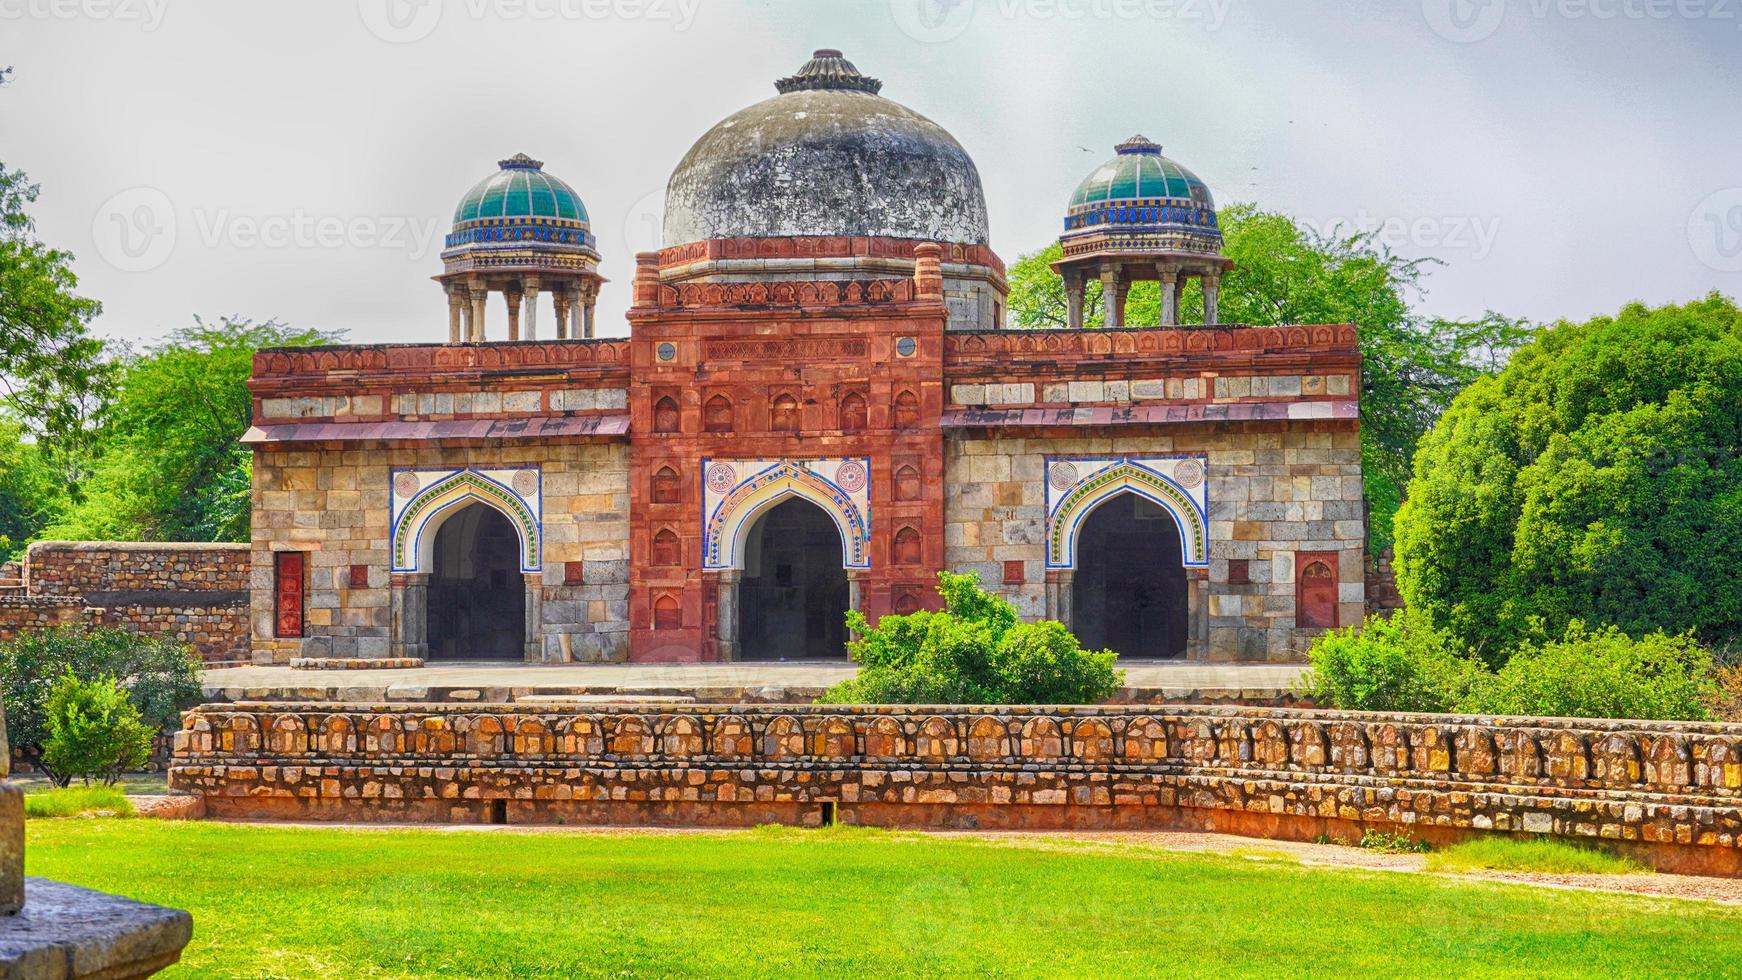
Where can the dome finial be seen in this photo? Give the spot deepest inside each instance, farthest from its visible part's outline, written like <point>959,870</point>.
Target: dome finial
<point>520,161</point>
<point>1139,144</point>
<point>828,69</point>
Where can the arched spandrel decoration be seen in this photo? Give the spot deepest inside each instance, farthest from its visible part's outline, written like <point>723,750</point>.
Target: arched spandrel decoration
<point>737,492</point>
<point>1076,486</point>
<point>422,500</point>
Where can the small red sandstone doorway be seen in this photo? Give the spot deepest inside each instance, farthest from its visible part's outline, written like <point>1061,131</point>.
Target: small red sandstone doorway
<point>1129,592</point>
<point>477,595</point>
<point>793,598</point>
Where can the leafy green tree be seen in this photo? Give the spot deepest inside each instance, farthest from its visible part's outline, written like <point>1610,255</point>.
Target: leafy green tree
<point>172,469</point>
<point>1597,478</point>
<point>53,372</point>
<point>31,492</point>
<point>93,730</point>
<point>1286,273</point>
<point>974,652</point>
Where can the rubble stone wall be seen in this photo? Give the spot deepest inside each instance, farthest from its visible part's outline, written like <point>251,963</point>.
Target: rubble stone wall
<point>1667,792</point>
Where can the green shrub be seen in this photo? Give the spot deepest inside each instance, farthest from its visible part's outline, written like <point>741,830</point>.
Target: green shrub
<point>974,652</point>
<point>1400,663</point>
<point>1602,674</point>
<point>72,801</point>
<point>1401,842</point>
<point>1543,855</point>
<point>93,730</point>
<point>161,676</point>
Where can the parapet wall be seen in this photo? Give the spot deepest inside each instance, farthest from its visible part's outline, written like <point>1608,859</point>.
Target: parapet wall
<point>1671,793</point>
<point>197,593</point>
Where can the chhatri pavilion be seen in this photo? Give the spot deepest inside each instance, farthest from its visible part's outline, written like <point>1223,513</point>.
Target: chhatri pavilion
<point>818,406</point>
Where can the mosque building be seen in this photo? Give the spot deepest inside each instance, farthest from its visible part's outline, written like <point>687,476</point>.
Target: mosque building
<point>819,405</point>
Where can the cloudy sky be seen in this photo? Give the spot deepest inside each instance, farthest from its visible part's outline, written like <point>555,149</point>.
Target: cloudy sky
<point>298,159</point>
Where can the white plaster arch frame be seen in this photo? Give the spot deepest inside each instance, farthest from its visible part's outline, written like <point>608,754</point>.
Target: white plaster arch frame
<point>1071,501</point>
<point>440,494</point>
<point>730,514</point>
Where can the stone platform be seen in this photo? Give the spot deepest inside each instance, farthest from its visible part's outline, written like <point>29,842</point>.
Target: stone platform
<point>1151,682</point>
<point>66,931</point>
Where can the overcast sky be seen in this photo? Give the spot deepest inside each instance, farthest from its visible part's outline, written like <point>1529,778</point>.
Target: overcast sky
<point>300,159</point>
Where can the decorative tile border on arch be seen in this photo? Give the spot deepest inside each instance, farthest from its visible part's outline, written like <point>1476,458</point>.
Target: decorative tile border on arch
<point>1667,792</point>
<point>734,492</point>
<point>1076,485</point>
<point>419,496</point>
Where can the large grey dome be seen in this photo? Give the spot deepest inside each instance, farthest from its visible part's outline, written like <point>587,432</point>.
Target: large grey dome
<point>828,156</point>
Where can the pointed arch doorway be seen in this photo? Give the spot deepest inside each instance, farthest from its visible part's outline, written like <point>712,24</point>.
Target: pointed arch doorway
<point>1129,592</point>
<point>794,593</point>
<point>477,593</point>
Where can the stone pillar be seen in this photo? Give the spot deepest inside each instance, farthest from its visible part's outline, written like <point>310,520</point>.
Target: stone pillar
<point>1124,292</point>
<point>534,617</point>
<point>1212,298</point>
<point>726,614</point>
<point>1075,286</point>
<point>1059,583</point>
<point>512,300</point>
<point>1197,614</point>
<point>479,293</point>
<point>561,299</point>
<point>1110,296</point>
<point>11,831</point>
<point>1169,295</point>
<point>409,601</point>
<point>856,588</point>
<point>456,314</point>
<point>587,317</point>
<point>532,309</point>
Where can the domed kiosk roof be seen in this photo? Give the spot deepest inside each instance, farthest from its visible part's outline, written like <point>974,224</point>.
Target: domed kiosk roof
<point>1141,203</point>
<point>520,218</point>
<point>520,189</point>
<point>828,156</point>
<point>1138,171</point>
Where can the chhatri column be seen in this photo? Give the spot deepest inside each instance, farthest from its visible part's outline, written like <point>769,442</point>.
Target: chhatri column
<point>480,293</point>
<point>1124,294</point>
<point>1110,296</point>
<point>1075,285</point>
<point>1212,298</point>
<point>531,309</point>
<point>1169,294</point>
<point>589,300</point>
<point>511,299</point>
<point>456,313</point>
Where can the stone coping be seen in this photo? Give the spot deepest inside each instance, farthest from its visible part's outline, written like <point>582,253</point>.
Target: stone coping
<point>355,663</point>
<point>142,546</point>
<point>67,931</point>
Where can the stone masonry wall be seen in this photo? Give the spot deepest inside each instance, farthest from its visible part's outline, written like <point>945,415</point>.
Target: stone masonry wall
<point>27,613</point>
<point>1274,489</point>
<point>1668,792</point>
<point>85,568</point>
<point>334,504</point>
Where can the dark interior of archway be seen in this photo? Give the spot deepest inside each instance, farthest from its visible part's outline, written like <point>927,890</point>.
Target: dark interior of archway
<point>792,601</point>
<point>1129,593</point>
<point>477,598</point>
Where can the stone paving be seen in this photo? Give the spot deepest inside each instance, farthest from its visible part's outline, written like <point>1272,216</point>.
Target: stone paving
<point>755,682</point>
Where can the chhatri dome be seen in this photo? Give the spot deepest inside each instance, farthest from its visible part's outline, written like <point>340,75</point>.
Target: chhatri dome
<point>520,232</point>
<point>829,179</point>
<point>1141,216</point>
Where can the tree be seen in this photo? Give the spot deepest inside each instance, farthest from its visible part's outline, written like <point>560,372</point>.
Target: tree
<point>93,730</point>
<point>172,468</point>
<point>53,371</point>
<point>1286,273</point>
<point>31,493</point>
<point>1597,478</point>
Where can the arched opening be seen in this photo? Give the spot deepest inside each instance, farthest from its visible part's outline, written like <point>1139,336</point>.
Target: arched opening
<point>854,414</point>
<point>665,415</point>
<point>783,414</point>
<point>792,600</point>
<point>1129,591</point>
<point>906,410</point>
<point>717,414</point>
<point>477,596</point>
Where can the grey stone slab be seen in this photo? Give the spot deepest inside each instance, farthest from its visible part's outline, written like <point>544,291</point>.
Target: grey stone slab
<point>67,931</point>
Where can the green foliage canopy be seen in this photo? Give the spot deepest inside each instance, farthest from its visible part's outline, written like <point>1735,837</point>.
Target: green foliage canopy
<point>1288,273</point>
<point>93,731</point>
<point>1596,478</point>
<point>974,652</point>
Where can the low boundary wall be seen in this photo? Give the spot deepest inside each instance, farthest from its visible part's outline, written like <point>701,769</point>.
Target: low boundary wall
<point>1669,793</point>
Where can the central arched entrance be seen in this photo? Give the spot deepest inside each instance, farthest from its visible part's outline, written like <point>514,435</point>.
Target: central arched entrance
<point>477,596</point>
<point>792,600</point>
<point>1129,591</point>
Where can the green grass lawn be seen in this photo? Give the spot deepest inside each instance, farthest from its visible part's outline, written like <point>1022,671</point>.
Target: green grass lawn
<point>283,901</point>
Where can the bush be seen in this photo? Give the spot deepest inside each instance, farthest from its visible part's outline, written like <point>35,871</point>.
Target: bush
<point>160,675</point>
<point>1406,664</point>
<point>1401,663</point>
<point>974,652</point>
<point>1597,478</point>
<point>73,801</point>
<point>1602,674</point>
<point>93,730</point>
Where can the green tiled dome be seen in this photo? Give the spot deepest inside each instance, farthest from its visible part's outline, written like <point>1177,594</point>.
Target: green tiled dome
<point>521,189</point>
<point>1140,172</point>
